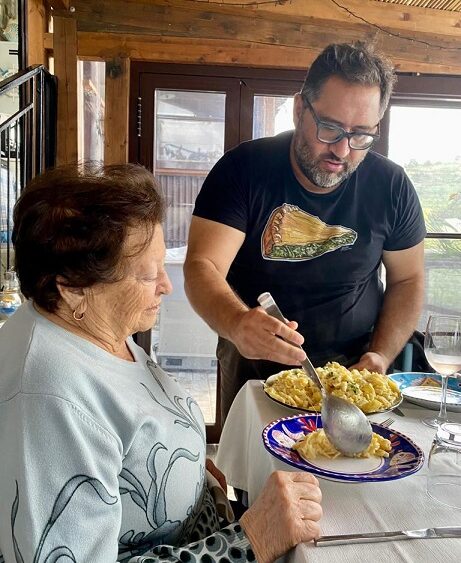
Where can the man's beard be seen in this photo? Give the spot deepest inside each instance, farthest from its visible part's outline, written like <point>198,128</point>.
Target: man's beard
<point>310,166</point>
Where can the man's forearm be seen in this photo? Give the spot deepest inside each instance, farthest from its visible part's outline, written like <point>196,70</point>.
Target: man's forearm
<point>255,334</point>
<point>398,318</point>
<point>212,298</point>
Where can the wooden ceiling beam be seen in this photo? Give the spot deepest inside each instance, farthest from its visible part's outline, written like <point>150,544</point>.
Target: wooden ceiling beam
<point>268,36</point>
<point>256,28</point>
<point>392,16</point>
<point>105,46</point>
<point>388,16</point>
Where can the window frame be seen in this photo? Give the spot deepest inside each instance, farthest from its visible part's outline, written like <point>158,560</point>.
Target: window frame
<point>428,91</point>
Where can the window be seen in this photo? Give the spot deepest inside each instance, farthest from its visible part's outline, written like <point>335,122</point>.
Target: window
<point>424,139</point>
<point>189,129</point>
<point>272,115</point>
<point>189,116</point>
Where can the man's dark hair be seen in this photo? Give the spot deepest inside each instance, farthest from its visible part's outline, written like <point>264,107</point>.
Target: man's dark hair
<point>356,63</point>
<point>73,221</point>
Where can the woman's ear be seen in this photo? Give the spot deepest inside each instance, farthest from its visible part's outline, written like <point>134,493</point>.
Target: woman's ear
<point>73,296</point>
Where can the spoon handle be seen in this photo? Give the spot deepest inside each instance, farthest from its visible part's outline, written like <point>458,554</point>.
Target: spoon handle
<point>270,306</point>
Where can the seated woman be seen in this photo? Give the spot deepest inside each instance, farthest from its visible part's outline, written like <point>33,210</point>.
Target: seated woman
<point>102,452</point>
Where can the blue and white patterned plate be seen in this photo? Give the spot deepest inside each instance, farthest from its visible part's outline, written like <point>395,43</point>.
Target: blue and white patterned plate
<point>404,459</point>
<point>424,389</point>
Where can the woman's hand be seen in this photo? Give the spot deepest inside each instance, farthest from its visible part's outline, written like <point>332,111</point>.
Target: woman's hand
<point>285,514</point>
<point>217,474</point>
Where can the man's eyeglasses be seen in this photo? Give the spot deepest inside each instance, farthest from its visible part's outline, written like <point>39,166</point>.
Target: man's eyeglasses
<point>330,134</point>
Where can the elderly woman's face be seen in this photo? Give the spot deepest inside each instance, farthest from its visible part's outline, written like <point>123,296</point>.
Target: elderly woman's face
<point>131,304</point>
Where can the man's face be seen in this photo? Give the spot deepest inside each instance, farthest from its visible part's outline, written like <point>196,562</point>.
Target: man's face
<point>353,107</point>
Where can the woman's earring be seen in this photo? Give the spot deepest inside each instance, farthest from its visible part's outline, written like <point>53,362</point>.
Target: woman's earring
<point>74,314</point>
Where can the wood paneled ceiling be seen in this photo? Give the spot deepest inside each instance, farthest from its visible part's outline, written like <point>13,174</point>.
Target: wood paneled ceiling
<point>445,5</point>
<point>418,35</point>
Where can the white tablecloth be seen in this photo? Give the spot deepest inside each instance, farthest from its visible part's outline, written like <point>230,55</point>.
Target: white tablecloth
<point>348,507</point>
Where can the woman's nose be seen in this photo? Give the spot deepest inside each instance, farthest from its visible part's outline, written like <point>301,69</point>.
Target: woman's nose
<point>166,287</point>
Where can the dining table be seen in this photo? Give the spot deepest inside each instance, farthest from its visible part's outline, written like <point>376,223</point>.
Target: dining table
<point>348,507</point>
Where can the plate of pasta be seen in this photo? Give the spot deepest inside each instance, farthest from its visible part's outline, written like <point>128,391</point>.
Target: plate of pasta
<point>300,442</point>
<point>372,392</point>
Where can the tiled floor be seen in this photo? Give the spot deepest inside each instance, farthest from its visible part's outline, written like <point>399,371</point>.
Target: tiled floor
<point>202,386</point>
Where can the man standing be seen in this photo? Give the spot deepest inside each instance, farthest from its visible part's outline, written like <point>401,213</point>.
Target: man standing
<point>310,216</point>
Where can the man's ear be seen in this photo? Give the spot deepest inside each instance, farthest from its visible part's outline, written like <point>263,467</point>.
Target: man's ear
<point>72,296</point>
<point>298,109</point>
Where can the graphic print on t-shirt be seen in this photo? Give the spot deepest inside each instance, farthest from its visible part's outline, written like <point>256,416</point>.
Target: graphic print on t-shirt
<point>292,234</point>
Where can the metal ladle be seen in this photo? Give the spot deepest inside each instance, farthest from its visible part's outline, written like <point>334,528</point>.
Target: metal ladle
<point>345,425</point>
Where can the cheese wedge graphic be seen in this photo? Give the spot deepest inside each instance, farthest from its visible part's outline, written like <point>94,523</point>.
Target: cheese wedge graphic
<point>293,234</point>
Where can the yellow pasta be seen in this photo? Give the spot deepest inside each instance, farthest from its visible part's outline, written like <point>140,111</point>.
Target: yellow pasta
<point>370,391</point>
<point>316,444</point>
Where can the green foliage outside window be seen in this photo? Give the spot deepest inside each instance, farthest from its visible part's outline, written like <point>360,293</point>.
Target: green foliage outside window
<point>439,188</point>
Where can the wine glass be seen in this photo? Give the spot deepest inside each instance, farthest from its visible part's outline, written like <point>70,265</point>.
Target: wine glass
<point>442,346</point>
<point>443,465</point>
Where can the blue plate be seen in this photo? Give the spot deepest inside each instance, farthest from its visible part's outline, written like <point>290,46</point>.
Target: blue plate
<point>404,459</point>
<point>423,389</point>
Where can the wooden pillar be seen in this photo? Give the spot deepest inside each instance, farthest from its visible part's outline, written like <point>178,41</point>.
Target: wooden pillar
<point>116,111</point>
<point>36,28</point>
<point>65,68</point>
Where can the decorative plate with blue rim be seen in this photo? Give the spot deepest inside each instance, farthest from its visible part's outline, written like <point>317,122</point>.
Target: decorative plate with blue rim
<point>404,459</point>
<point>424,389</point>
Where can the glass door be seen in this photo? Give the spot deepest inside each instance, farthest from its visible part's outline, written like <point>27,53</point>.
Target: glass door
<point>267,106</point>
<point>183,133</point>
<point>188,139</point>
<point>271,115</point>
<point>187,117</point>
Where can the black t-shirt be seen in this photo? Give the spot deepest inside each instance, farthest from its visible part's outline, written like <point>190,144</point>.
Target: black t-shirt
<point>318,254</point>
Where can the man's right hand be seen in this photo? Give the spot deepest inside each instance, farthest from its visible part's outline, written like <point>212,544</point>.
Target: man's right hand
<point>211,250</point>
<point>258,336</point>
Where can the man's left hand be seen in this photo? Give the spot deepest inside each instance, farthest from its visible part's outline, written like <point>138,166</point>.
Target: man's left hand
<point>372,361</point>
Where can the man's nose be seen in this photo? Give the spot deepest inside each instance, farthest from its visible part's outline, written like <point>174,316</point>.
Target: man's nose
<point>341,149</point>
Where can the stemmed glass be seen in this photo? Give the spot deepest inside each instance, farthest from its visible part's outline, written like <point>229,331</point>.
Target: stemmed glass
<point>442,346</point>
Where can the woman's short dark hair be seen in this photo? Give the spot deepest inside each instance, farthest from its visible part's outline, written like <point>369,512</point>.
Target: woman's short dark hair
<point>357,63</point>
<point>72,222</point>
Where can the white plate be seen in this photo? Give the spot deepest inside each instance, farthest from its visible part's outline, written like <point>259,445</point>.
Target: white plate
<point>429,397</point>
<point>424,389</point>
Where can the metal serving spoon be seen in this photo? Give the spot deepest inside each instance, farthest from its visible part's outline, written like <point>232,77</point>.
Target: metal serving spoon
<point>345,425</point>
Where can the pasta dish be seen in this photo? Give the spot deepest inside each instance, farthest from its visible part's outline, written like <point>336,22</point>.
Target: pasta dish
<point>317,444</point>
<point>370,391</point>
